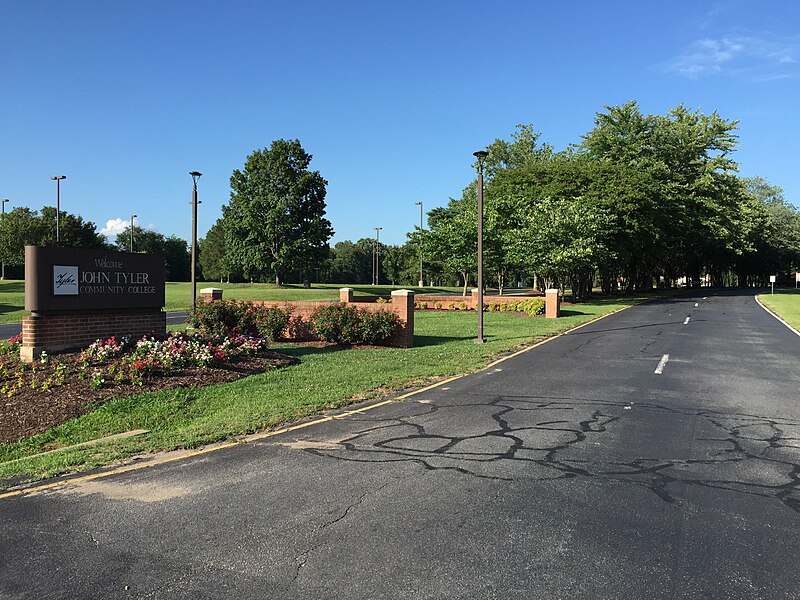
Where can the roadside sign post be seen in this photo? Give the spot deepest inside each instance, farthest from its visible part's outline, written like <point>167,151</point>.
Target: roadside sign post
<point>772,283</point>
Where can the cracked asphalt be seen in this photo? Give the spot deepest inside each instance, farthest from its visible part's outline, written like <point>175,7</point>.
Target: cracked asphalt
<point>574,470</point>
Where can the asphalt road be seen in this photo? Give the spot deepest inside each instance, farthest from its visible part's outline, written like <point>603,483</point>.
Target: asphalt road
<point>8,330</point>
<point>574,470</point>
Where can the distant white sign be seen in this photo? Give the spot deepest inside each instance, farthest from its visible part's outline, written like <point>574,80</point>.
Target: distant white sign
<point>772,278</point>
<point>65,281</point>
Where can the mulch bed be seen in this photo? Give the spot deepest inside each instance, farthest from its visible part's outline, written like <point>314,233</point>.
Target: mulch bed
<point>33,410</point>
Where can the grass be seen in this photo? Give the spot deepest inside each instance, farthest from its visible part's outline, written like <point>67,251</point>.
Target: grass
<point>326,378</point>
<point>12,301</point>
<point>785,303</point>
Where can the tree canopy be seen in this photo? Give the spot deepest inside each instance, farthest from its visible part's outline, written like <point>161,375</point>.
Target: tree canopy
<point>274,223</point>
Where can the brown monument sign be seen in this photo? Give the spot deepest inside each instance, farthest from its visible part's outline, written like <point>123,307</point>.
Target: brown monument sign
<point>77,295</point>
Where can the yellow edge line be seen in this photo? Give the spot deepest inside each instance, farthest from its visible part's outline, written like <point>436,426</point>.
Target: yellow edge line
<point>269,434</point>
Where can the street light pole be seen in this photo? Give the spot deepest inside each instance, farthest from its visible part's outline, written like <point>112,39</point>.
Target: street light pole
<point>57,179</point>
<point>377,265</point>
<point>132,218</point>
<point>195,176</point>
<point>481,156</point>
<point>421,279</point>
<point>3,272</point>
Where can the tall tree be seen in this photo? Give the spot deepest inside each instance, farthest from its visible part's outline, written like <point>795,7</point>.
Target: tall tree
<point>213,261</point>
<point>275,220</point>
<point>22,226</point>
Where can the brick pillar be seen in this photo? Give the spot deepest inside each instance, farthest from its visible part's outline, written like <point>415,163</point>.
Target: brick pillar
<point>210,294</point>
<point>403,305</point>
<point>345,294</point>
<point>553,306</point>
<point>475,298</point>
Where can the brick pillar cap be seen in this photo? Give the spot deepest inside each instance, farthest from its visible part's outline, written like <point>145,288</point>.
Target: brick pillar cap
<point>345,289</point>
<point>552,291</point>
<point>475,290</point>
<point>403,293</point>
<point>210,290</point>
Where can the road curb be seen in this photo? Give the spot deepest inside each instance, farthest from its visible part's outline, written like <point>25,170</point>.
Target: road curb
<point>761,304</point>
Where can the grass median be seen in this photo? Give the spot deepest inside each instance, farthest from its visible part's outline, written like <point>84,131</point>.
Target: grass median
<point>326,378</point>
<point>785,303</point>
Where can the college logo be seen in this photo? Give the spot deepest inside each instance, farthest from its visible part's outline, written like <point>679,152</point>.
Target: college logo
<point>65,281</point>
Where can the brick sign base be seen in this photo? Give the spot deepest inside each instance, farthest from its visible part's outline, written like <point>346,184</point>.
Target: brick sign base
<point>55,332</point>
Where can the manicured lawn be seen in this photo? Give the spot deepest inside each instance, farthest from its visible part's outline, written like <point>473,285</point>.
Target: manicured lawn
<point>12,301</point>
<point>326,378</point>
<point>785,303</point>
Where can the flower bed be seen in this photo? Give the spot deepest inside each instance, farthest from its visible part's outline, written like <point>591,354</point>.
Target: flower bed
<point>52,389</point>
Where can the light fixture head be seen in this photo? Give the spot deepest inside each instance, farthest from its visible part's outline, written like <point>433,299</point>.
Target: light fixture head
<point>58,177</point>
<point>480,154</point>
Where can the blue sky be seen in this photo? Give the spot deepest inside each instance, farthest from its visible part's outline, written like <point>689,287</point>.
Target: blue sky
<point>391,98</point>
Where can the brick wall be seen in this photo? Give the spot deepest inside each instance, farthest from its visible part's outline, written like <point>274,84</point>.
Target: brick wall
<point>402,304</point>
<point>55,332</point>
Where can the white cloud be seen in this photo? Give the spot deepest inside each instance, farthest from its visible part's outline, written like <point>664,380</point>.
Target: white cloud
<point>747,56</point>
<point>114,227</point>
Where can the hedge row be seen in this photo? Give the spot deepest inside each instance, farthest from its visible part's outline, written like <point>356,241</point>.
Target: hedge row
<point>531,306</point>
<point>337,322</point>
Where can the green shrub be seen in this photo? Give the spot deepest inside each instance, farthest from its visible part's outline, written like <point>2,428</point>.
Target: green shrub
<point>379,326</point>
<point>451,306</point>
<point>534,306</point>
<point>271,321</point>
<point>381,300</point>
<point>218,318</point>
<point>423,305</point>
<point>346,324</point>
<point>225,317</point>
<point>338,323</point>
<point>437,305</point>
<point>463,306</point>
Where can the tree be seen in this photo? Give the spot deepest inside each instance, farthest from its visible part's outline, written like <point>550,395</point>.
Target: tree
<point>453,235</point>
<point>275,220</point>
<point>177,258</point>
<point>213,260</point>
<point>22,227</point>
<point>353,262</point>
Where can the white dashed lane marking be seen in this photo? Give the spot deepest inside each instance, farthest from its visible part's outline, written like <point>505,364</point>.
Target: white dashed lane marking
<point>661,364</point>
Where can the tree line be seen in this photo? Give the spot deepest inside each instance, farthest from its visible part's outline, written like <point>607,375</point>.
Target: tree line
<point>641,201</point>
<point>22,227</point>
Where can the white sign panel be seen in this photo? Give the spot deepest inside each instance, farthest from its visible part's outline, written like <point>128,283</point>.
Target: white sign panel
<point>65,281</point>
<point>772,278</point>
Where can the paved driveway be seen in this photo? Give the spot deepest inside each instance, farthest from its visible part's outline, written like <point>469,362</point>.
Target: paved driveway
<point>652,454</point>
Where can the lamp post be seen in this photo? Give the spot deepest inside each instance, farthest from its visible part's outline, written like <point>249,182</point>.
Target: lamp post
<point>376,264</point>
<point>132,218</point>
<point>195,176</point>
<point>481,156</point>
<point>57,179</point>
<point>3,272</point>
<point>421,280</point>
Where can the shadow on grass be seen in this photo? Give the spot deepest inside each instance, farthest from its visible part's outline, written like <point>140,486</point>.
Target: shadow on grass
<point>12,286</point>
<point>420,341</point>
<point>571,313</point>
<point>300,351</point>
